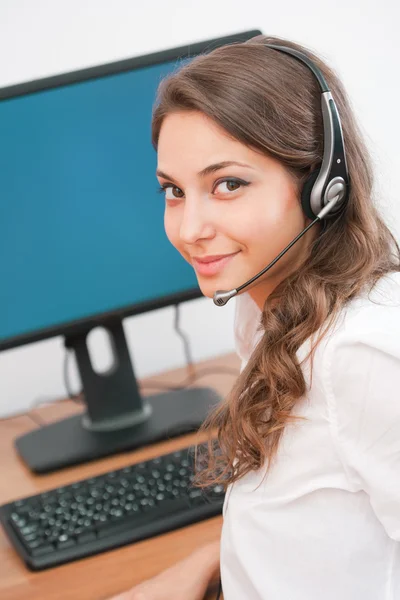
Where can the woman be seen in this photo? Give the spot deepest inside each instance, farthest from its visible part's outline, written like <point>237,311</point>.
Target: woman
<point>309,437</point>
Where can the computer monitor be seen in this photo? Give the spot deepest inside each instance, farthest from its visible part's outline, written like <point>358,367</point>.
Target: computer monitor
<point>82,244</point>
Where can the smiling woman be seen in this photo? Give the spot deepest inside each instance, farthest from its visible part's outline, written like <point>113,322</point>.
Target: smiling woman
<point>308,439</point>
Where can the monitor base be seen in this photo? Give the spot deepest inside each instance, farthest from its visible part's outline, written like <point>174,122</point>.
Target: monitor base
<point>69,442</point>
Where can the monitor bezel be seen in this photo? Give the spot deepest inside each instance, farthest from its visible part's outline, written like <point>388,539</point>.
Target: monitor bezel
<point>31,87</point>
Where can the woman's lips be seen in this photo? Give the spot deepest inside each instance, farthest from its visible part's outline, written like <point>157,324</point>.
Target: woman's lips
<point>214,266</point>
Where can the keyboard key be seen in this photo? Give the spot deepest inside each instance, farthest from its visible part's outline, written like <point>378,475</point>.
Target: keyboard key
<point>84,538</point>
<point>42,550</point>
<point>31,545</point>
<point>65,543</point>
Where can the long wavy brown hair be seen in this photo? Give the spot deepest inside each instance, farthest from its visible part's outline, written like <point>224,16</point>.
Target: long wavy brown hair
<point>271,102</point>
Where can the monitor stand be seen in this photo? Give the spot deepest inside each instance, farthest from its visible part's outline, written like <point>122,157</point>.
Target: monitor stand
<point>117,417</point>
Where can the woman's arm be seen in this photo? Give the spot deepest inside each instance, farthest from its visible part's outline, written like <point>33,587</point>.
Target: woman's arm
<point>186,580</point>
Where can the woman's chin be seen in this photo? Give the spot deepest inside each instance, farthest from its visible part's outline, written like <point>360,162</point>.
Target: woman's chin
<point>208,293</point>
<point>208,288</point>
<point>205,289</point>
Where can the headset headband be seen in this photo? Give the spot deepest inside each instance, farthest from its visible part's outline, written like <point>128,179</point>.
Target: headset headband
<point>332,178</point>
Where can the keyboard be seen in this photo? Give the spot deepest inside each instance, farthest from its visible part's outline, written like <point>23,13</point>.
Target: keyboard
<point>113,509</point>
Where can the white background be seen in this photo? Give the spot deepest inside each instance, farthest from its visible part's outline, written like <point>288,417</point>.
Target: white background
<point>39,38</point>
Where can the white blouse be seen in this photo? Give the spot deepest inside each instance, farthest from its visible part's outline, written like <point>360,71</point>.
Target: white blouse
<point>325,522</point>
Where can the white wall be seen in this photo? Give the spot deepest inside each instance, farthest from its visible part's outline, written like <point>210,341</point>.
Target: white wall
<point>39,38</point>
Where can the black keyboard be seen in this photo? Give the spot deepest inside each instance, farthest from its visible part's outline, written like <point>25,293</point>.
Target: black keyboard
<point>113,509</point>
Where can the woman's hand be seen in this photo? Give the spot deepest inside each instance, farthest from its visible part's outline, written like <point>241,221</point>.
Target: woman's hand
<point>186,580</point>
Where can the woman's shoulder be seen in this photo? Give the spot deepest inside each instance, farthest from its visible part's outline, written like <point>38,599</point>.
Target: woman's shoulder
<point>366,330</point>
<point>376,310</point>
<point>373,317</point>
<point>369,323</point>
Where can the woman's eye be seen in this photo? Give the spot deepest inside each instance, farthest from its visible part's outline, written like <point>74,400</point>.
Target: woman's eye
<point>175,191</point>
<point>231,185</point>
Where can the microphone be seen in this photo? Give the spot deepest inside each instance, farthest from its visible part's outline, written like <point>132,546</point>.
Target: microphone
<point>221,297</point>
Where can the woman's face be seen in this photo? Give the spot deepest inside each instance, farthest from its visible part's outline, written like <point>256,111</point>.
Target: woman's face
<point>246,213</point>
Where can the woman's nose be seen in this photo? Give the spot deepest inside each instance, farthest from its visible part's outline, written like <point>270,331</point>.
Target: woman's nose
<point>196,224</point>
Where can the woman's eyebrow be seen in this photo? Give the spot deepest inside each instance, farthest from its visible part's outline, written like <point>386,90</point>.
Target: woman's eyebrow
<point>210,169</point>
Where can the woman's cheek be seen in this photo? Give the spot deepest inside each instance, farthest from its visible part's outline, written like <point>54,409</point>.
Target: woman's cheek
<point>171,227</point>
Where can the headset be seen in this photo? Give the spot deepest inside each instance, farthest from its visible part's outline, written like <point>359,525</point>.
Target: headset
<point>325,192</point>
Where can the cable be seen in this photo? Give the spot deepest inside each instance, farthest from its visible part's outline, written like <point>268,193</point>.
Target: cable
<point>39,422</point>
<point>77,396</point>
<point>36,419</point>
<point>186,345</point>
<point>189,362</point>
<point>194,375</point>
<point>159,385</point>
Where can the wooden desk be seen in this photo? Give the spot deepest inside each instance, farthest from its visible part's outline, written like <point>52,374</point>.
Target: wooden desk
<point>101,576</point>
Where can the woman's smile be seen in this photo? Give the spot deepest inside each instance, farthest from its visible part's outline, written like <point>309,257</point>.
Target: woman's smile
<point>209,266</point>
